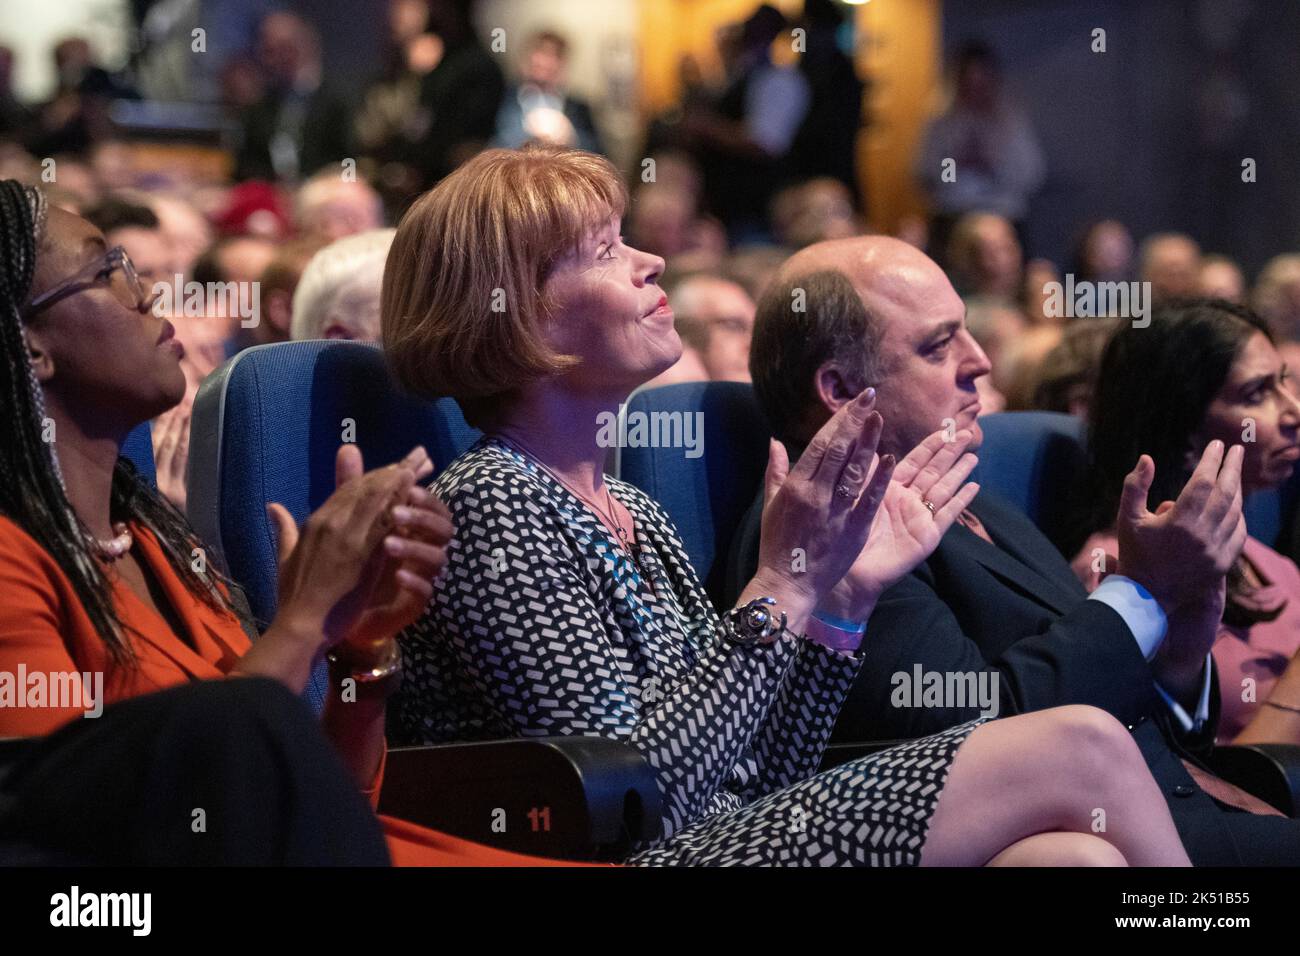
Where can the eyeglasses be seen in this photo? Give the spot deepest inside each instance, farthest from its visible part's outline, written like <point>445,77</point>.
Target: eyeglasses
<point>131,292</point>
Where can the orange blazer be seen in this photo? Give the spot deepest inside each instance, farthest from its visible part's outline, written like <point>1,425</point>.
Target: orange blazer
<point>45,629</point>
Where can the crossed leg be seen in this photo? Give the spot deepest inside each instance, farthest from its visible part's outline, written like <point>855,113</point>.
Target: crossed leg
<point>1047,788</point>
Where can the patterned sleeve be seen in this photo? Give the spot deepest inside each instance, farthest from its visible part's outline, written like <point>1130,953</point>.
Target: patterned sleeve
<point>790,744</point>
<point>516,608</point>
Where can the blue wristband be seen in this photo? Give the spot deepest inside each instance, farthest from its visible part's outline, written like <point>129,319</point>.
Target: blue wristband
<point>841,624</point>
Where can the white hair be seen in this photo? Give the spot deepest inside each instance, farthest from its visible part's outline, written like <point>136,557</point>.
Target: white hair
<point>343,265</point>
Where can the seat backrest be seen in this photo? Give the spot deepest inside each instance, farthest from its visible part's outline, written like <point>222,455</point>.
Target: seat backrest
<point>706,495</point>
<point>138,447</point>
<point>266,427</point>
<point>1032,459</point>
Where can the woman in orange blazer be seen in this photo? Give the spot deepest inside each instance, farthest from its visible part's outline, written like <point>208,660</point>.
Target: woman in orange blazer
<point>98,573</point>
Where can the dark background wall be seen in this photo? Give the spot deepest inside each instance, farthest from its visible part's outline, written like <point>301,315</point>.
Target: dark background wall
<point>1154,130</point>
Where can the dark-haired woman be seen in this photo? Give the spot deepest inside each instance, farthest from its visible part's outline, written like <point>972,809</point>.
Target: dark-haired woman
<point>570,605</point>
<point>1201,371</point>
<point>100,576</point>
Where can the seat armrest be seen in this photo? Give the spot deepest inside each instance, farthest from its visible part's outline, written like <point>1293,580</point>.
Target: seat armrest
<point>1269,771</point>
<point>571,798</point>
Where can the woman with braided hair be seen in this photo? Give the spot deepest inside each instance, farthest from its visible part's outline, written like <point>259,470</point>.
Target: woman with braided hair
<point>98,581</point>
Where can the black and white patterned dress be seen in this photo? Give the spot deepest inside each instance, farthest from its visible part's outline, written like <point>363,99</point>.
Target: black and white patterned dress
<point>542,625</point>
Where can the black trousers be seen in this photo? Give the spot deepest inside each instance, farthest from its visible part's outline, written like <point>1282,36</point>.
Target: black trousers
<point>222,772</point>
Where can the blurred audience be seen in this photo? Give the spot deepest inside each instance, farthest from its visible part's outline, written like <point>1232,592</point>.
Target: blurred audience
<point>538,107</point>
<point>1104,253</point>
<point>979,155</point>
<point>330,206</point>
<point>744,138</point>
<point>1035,290</point>
<point>460,94</point>
<point>984,256</point>
<point>1022,363</point>
<point>1068,373</point>
<point>715,321</point>
<point>1171,262</point>
<point>280,279</point>
<point>299,123</point>
<point>338,296</point>
<point>1221,278</point>
<point>136,229</point>
<point>997,326</point>
<point>814,211</point>
<point>752,267</point>
<point>826,144</point>
<point>1277,297</point>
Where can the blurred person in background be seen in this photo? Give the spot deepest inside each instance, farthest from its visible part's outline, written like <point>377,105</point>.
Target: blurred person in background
<point>1276,296</point>
<point>984,257</point>
<point>338,295</point>
<point>664,218</point>
<point>814,211</point>
<point>14,116</point>
<point>1067,375</point>
<point>113,164</point>
<point>253,209</point>
<point>714,318</point>
<point>538,107</point>
<point>459,96</point>
<point>211,338</point>
<point>1171,262</point>
<point>77,181</point>
<point>1104,253</point>
<point>999,164</point>
<point>827,142</point>
<point>1276,299</point>
<point>299,123</point>
<point>390,122</point>
<point>1034,290</point>
<point>743,140</point>
<point>996,327</point>
<point>1221,278</point>
<point>77,114</point>
<point>331,207</point>
<point>186,231</point>
<point>136,229</point>
<point>280,280</point>
<point>752,267</point>
<point>1022,365</point>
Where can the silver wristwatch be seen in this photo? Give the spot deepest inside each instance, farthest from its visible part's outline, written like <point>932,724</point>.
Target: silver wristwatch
<point>753,623</point>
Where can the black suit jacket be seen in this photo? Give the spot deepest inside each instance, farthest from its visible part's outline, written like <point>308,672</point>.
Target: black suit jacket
<point>1016,611</point>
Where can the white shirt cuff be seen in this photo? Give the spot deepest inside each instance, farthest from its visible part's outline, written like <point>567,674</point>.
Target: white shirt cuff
<point>1140,611</point>
<point>1189,724</point>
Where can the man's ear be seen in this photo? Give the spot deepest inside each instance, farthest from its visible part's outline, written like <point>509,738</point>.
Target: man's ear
<point>832,386</point>
<point>39,355</point>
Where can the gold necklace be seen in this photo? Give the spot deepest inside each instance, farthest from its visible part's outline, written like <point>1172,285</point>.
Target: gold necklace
<point>630,548</point>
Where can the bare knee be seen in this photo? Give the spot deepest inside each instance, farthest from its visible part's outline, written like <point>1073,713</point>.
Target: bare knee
<point>1093,742</point>
<point>1060,849</point>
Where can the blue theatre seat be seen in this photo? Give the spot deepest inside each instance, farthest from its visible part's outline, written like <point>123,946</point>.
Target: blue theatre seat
<point>266,427</point>
<point>706,497</point>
